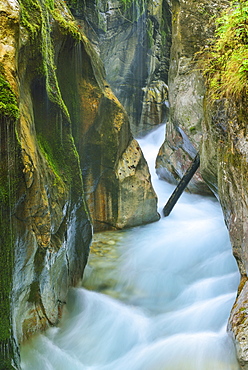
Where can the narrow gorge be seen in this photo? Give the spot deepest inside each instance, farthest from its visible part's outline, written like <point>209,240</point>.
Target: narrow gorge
<point>81,84</point>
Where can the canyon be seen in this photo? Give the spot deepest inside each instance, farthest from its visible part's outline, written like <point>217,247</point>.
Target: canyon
<point>79,81</point>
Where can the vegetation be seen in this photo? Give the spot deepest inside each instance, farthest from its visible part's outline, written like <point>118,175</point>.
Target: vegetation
<point>10,172</point>
<point>61,165</point>
<point>127,2</point>
<point>31,16</point>
<point>225,64</point>
<point>67,27</point>
<point>8,103</point>
<point>133,9</point>
<point>38,20</point>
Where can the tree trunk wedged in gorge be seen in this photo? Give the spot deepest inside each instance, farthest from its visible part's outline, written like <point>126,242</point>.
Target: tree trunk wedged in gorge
<point>192,26</point>
<point>181,186</point>
<point>46,119</point>
<point>133,39</point>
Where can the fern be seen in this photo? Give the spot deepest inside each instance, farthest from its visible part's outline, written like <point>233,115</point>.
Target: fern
<point>225,64</point>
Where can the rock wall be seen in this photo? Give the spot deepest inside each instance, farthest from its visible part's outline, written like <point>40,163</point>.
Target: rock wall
<point>60,125</point>
<point>224,167</point>
<point>117,186</point>
<point>133,38</point>
<point>218,130</point>
<point>192,26</point>
<point>66,141</point>
<point>45,227</point>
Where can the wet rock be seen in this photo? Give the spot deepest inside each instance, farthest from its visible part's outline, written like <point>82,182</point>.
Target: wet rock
<point>192,26</point>
<point>133,40</point>
<point>224,167</point>
<point>114,171</point>
<point>238,322</point>
<point>64,137</point>
<point>135,197</point>
<point>218,131</point>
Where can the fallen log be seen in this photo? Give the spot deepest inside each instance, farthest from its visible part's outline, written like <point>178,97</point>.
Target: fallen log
<point>181,186</point>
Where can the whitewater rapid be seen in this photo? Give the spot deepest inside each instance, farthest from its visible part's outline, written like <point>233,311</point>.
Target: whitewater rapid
<point>155,297</point>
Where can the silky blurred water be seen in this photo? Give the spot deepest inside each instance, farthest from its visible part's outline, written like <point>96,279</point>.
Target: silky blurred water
<point>155,297</point>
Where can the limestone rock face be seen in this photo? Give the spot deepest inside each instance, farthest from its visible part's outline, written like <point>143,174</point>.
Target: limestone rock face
<point>46,231</point>
<point>64,140</point>
<point>116,177</point>
<point>238,325</point>
<point>102,134</point>
<point>218,131</point>
<point>134,185</point>
<point>192,26</point>
<point>224,166</point>
<point>133,39</point>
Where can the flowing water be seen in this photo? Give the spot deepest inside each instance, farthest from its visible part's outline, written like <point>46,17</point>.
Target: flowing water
<point>155,297</point>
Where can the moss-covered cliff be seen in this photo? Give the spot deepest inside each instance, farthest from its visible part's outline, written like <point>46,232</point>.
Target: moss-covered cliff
<point>59,123</point>
<point>44,244</point>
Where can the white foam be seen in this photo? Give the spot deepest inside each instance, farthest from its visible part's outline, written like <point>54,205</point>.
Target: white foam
<point>177,279</point>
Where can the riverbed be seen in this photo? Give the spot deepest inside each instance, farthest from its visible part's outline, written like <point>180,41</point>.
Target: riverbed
<point>154,297</point>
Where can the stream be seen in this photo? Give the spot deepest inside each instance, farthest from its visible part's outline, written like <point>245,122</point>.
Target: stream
<point>154,297</point>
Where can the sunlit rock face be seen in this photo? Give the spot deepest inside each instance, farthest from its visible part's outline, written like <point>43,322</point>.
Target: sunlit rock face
<point>65,140</point>
<point>117,180</point>
<point>103,138</point>
<point>192,26</point>
<point>133,39</point>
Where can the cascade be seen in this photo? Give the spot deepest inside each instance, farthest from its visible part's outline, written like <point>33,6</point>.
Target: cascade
<point>155,297</point>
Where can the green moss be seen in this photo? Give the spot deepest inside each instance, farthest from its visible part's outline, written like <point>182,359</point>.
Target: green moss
<point>50,4</point>
<point>10,180</point>
<point>163,36</point>
<point>36,19</point>
<point>243,309</point>
<point>127,2</point>
<point>34,294</point>
<point>48,154</point>
<point>225,64</point>
<point>8,103</point>
<point>67,27</point>
<point>31,16</point>
<point>63,159</point>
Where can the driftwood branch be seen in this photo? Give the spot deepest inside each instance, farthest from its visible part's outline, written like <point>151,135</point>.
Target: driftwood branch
<point>181,186</point>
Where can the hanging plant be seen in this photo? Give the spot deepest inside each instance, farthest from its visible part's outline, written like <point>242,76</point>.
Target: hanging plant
<point>225,63</point>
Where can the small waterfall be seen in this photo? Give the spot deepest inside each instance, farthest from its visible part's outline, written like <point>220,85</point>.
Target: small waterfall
<point>160,295</point>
